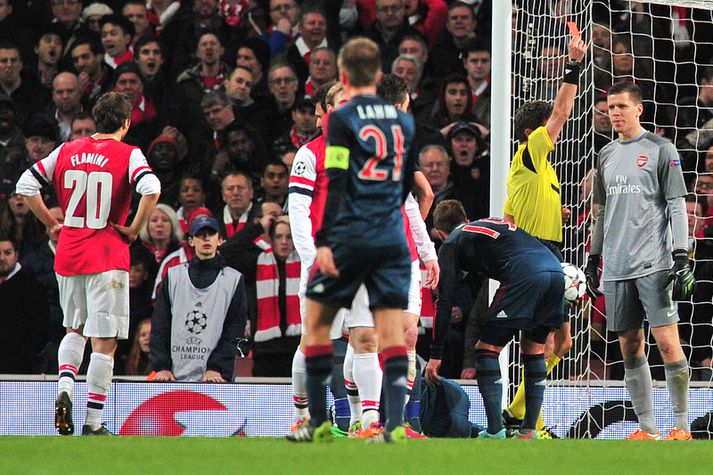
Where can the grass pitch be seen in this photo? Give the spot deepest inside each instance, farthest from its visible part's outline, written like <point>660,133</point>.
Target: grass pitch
<point>159,455</point>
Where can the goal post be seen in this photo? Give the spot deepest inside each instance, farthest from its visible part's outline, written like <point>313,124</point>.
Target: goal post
<point>665,46</point>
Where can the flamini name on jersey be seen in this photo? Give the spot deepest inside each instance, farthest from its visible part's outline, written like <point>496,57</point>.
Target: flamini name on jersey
<point>92,158</point>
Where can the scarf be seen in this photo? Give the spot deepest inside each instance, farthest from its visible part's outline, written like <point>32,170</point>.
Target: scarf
<point>268,290</point>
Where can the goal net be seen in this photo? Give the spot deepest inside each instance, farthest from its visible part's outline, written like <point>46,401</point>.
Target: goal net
<point>666,48</point>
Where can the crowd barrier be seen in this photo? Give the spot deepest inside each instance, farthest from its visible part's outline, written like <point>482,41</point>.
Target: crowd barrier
<point>258,409</point>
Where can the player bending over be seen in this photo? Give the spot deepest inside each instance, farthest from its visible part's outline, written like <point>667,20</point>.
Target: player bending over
<point>529,299</point>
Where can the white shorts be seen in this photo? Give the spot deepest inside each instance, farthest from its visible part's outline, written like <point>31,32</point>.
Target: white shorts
<point>414,290</point>
<point>100,302</point>
<point>359,315</point>
<point>336,331</point>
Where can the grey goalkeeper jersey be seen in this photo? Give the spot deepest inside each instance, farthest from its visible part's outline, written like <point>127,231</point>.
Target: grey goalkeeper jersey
<point>633,181</point>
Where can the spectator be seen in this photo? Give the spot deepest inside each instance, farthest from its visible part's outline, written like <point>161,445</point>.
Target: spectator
<point>40,137</point>
<point>288,157</point>
<point>117,33</point>
<point>218,112</point>
<point>163,159</point>
<point>66,14</point>
<point>93,13</point>
<point>191,196</point>
<point>242,150</point>
<point>95,77</point>
<point>277,326</point>
<point>48,49</point>
<point>179,39</point>
<point>434,163</point>
<point>470,169</point>
<point>284,16</point>
<point>28,96</point>
<point>602,124</point>
<point>83,125</point>
<point>283,87</point>
<point>313,34</point>
<point>696,111</point>
<point>12,144</point>
<point>322,69</point>
<point>25,314</point>
<point>303,128</point>
<point>139,361</point>
<point>66,99</point>
<point>455,103</point>
<point>142,273</point>
<point>148,55</point>
<point>428,17</point>
<point>193,84</point>
<point>254,54</point>
<point>238,87</point>
<point>237,192</point>
<point>390,27</point>
<point>274,183</point>
<point>161,235</point>
<point>190,305</point>
<point>460,30</point>
<point>137,13</point>
<point>476,62</point>
<point>145,121</point>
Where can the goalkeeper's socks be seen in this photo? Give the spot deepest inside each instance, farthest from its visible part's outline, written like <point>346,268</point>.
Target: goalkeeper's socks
<point>299,386</point>
<point>368,377</point>
<point>677,385</point>
<point>637,377</point>
<point>517,406</point>
<point>318,360</point>
<point>490,385</point>
<point>350,385</point>
<point>69,357</point>
<point>99,373</point>
<point>535,374</point>
<point>395,386</point>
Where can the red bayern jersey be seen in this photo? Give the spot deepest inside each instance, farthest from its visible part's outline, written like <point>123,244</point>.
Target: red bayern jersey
<point>93,181</point>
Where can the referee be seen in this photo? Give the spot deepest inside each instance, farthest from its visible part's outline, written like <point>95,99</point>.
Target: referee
<point>534,202</point>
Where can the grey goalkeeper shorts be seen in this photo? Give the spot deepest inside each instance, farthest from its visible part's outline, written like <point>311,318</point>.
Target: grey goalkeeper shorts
<point>631,301</point>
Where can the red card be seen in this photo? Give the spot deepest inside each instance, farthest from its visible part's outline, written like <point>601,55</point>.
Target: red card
<point>573,28</point>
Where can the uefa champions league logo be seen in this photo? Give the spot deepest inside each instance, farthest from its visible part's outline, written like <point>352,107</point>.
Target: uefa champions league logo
<point>196,322</point>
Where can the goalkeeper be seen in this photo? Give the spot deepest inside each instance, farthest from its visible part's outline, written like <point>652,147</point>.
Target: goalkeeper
<point>534,202</point>
<point>639,207</point>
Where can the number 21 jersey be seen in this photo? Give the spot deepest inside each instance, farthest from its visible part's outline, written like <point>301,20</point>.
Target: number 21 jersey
<point>93,181</point>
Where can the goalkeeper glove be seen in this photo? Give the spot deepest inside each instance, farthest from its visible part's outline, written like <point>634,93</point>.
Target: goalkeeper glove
<point>680,274</point>
<point>591,272</point>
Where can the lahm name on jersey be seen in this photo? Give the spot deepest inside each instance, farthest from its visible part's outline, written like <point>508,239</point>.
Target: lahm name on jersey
<point>92,158</point>
<point>376,111</point>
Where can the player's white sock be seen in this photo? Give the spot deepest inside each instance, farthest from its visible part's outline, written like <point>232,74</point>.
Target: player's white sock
<point>99,373</point>
<point>299,386</point>
<point>411,375</point>
<point>368,376</point>
<point>69,357</point>
<point>352,391</point>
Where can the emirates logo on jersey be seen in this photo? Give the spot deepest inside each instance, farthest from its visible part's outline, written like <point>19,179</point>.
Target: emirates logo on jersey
<point>642,160</point>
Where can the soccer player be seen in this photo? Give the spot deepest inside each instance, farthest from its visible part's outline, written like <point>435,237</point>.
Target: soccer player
<point>307,196</point>
<point>362,238</point>
<point>640,195</point>
<point>529,299</point>
<point>93,178</point>
<point>534,202</point>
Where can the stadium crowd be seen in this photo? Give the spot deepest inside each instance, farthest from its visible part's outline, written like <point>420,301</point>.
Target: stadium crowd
<point>222,94</point>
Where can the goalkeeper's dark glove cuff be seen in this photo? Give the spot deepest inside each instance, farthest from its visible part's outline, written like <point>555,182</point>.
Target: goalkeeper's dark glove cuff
<point>591,272</point>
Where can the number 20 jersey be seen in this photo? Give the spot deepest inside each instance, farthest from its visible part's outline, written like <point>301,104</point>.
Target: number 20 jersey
<point>93,181</point>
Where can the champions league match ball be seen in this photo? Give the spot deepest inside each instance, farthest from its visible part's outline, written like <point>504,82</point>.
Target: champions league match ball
<point>575,283</point>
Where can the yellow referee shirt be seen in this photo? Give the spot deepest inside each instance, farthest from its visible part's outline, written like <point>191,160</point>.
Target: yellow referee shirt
<point>533,189</point>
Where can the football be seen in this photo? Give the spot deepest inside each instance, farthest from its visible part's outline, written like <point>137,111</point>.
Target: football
<point>575,283</point>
